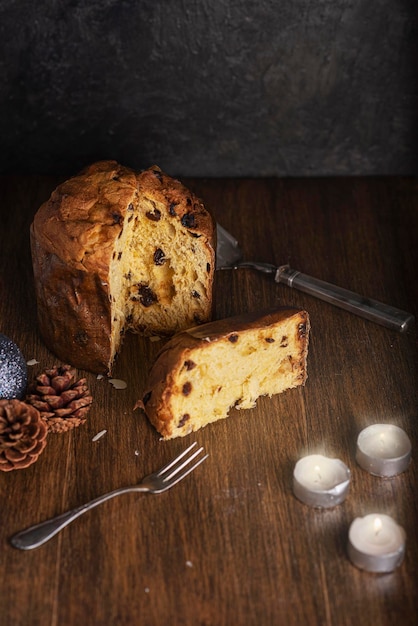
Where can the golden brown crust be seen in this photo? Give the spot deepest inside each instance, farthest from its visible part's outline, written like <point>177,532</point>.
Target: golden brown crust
<point>84,216</point>
<point>73,239</point>
<point>72,329</point>
<point>162,382</point>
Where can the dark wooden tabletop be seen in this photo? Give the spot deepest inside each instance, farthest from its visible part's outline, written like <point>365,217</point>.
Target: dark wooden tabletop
<point>230,544</point>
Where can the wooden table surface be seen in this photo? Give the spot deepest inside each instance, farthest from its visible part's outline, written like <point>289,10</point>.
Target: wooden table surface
<point>230,545</point>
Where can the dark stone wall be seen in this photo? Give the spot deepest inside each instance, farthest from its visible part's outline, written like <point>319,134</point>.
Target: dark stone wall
<point>210,87</point>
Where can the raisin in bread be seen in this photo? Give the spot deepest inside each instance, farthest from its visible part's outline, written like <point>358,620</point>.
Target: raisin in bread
<point>204,371</point>
<point>117,251</point>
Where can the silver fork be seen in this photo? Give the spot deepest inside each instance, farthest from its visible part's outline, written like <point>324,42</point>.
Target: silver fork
<point>157,482</point>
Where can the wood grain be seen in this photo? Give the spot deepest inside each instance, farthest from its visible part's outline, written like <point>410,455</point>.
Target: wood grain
<point>230,544</point>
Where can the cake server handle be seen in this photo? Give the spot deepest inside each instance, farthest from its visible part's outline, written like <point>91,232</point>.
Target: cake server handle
<point>372,310</point>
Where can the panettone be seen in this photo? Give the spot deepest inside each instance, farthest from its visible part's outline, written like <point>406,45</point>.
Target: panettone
<point>116,251</point>
<point>204,371</point>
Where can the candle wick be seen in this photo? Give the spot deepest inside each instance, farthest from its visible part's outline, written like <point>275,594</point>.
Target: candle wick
<point>377,527</point>
<point>318,478</point>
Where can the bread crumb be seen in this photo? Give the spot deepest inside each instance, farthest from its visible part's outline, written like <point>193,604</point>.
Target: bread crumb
<point>99,376</point>
<point>32,362</point>
<point>189,564</point>
<point>118,383</point>
<point>99,435</point>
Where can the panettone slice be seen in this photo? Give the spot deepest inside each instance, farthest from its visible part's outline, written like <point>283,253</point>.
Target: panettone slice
<point>201,373</point>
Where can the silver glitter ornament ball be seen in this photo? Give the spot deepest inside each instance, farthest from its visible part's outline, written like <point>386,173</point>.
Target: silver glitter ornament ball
<point>13,371</point>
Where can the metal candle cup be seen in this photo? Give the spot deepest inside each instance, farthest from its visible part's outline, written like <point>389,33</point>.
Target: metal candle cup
<point>376,543</point>
<point>383,450</point>
<point>320,481</point>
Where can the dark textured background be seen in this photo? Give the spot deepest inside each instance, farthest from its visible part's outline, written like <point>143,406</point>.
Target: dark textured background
<point>210,87</point>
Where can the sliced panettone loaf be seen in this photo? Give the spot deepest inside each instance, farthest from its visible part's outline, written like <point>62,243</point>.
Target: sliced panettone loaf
<point>116,251</point>
<point>204,371</point>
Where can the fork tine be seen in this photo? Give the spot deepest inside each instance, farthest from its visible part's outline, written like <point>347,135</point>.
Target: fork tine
<point>178,472</point>
<point>183,465</point>
<point>176,460</point>
<point>174,478</point>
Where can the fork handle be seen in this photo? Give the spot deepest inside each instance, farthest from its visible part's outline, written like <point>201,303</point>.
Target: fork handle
<point>37,535</point>
<point>372,310</point>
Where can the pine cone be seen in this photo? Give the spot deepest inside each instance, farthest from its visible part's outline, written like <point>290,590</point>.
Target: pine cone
<point>22,435</point>
<point>62,401</point>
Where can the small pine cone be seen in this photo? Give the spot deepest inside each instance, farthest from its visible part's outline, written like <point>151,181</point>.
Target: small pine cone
<point>22,435</point>
<point>62,401</point>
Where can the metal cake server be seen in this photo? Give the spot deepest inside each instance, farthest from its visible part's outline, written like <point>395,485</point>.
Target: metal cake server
<point>229,256</point>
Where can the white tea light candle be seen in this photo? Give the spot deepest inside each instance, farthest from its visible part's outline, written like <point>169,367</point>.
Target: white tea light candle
<point>320,481</point>
<point>383,450</point>
<point>376,543</point>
